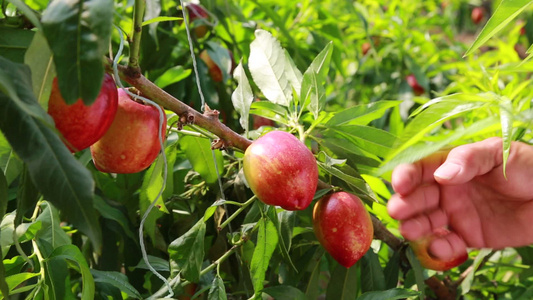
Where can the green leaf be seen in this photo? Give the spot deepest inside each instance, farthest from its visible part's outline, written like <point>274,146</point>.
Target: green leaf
<point>4,289</point>
<point>343,284</point>
<point>294,76</point>
<point>14,43</point>
<point>55,172</point>
<point>284,222</point>
<point>374,278</point>
<point>362,114</point>
<point>267,241</point>
<point>16,280</point>
<point>392,271</point>
<point>172,75</point>
<point>284,292</point>
<point>435,115</point>
<point>161,19</point>
<point>73,254</point>
<point>418,270</point>
<point>221,57</point>
<point>78,32</point>
<point>159,264</point>
<point>506,120</point>
<point>370,139</point>
<point>14,85</point>
<point>117,280</point>
<point>27,196</point>
<point>109,212</point>
<point>267,64</point>
<point>313,79</point>
<point>57,279</point>
<point>392,294</point>
<point>467,283</point>
<point>40,60</point>
<point>217,290</point>
<point>243,96</point>
<point>187,253</point>
<point>270,110</point>
<point>199,153</point>
<point>51,230</point>
<point>503,15</point>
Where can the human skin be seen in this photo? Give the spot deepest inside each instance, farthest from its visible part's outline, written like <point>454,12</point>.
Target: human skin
<point>465,190</point>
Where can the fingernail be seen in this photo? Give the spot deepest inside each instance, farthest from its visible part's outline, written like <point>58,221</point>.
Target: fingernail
<point>447,171</point>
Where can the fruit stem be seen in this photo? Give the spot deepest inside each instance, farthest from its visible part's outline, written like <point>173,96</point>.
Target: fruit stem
<point>236,213</point>
<point>135,45</point>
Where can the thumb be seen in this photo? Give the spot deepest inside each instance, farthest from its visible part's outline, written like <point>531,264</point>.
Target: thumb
<point>468,161</point>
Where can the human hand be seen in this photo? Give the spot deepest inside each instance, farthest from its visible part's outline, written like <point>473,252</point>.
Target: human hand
<point>466,191</point>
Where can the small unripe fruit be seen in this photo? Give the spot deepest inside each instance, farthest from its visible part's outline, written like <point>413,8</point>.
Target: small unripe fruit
<point>343,227</point>
<point>413,83</point>
<point>421,249</point>
<point>82,125</point>
<point>477,15</point>
<point>281,171</point>
<point>131,144</point>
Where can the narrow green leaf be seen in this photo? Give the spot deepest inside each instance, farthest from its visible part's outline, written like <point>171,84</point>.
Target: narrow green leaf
<point>161,19</point>
<point>313,78</point>
<point>422,149</point>
<point>284,292</point>
<point>109,212</point>
<point>16,280</point>
<point>284,222</point>
<point>362,114</point>
<point>57,279</point>
<point>117,280</point>
<point>198,152</point>
<point>312,286</point>
<point>172,75</point>
<point>392,271</point>
<point>343,284</point>
<point>374,278</point>
<point>270,110</point>
<point>40,60</point>
<point>506,120</point>
<point>507,11</point>
<point>242,97</point>
<point>4,289</point>
<point>73,254</point>
<point>187,253</point>
<point>55,172</point>
<point>466,284</point>
<point>217,290</point>
<point>294,76</point>
<point>267,241</point>
<point>432,117</point>
<point>370,139</point>
<point>392,294</point>
<point>51,230</point>
<point>158,263</point>
<point>267,65</point>
<point>27,196</point>
<point>419,272</point>
<point>14,85</point>
<point>78,32</point>
<point>14,42</point>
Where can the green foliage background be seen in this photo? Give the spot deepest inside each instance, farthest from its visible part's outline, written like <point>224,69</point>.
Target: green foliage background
<point>69,231</point>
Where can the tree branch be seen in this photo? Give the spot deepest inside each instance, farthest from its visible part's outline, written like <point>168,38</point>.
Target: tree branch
<point>135,43</point>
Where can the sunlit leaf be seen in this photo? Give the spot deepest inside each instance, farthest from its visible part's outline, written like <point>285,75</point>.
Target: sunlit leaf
<point>172,75</point>
<point>217,290</point>
<point>243,96</point>
<point>40,60</point>
<point>506,120</point>
<point>267,65</point>
<point>267,241</point>
<point>198,152</point>
<point>314,76</point>
<point>507,11</point>
<point>362,114</point>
